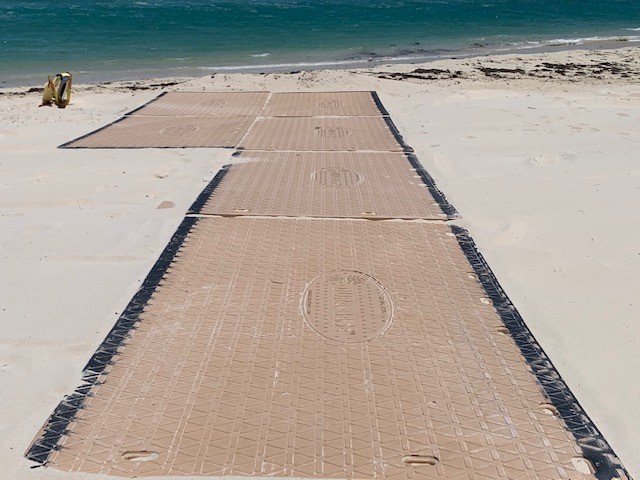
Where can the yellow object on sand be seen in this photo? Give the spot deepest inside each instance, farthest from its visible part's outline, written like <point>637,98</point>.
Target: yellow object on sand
<point>58,90</point>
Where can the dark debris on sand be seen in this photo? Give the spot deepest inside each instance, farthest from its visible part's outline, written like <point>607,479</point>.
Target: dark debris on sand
<point>501,72</point>
<point>593,70</point>
<point>423,74</point>
<point>626,68</point>
<point>150,86</point>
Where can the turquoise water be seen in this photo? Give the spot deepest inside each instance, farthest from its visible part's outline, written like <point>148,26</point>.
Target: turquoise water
<point>96,39</point>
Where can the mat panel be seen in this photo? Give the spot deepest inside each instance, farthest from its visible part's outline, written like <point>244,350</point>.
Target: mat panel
<point>324,184</point>
<point>318,104</point>
<point>319,349</point>
<point>167,132</point>
<point>321,134</point>
<point>205,104</point>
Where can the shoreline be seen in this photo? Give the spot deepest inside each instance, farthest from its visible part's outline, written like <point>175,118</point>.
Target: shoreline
<point>373,61</point>
<point>536,151</point>
<point>603,65</point>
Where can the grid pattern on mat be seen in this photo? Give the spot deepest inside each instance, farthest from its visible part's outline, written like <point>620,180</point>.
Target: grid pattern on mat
<point>205,104</point>
<point>323,184</point>
<point>181,120</point>
<point>321,134</point>
<point>167,132</point>
<point>319,104</point>
<point>333,348</point>
<point>322,347</point>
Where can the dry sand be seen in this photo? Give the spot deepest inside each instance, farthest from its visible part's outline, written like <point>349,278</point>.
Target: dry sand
<point>541,160</point>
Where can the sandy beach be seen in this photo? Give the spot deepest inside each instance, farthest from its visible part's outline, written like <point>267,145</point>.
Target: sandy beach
<point>538,153</point>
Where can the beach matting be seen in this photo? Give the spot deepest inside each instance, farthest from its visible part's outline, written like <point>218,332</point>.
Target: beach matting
<point>318,349</point>
<point>319,104</point>
<point>139,131</point>
<point>205,104</point>
<point>332,346</point>
<point>322,134</point>
<point>323,184</point>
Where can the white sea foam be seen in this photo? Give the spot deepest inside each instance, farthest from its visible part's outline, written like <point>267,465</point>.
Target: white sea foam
<point>312,65</point>
<point>529,44</point>
<point>372,60</point>
<point>565,42</point>
<point>525,45</point>
<point>572,41</point>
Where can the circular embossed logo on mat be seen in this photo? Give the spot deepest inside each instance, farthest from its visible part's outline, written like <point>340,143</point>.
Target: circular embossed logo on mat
<point>332,132</point>
<point>330,104</point>
<point>347,306</point>
<point>337,177</point>
<point>213,103</point>
<point>180,130</point>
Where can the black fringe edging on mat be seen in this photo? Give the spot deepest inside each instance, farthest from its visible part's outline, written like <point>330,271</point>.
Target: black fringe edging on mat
<point>202,199</point>
<point>378,102</point>
<point>394,130</point>
<point>427,179</point>
<point>69,143</point>
<point>448,209</point>
<point>592,443</point>
<point>145,104</point>
<point>396,133</point>
<point>57,424</point>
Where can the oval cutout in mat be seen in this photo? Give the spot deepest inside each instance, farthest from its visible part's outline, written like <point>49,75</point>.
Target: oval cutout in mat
<point>549,409</point>
<point>140,456</point>
<point>420,460</point>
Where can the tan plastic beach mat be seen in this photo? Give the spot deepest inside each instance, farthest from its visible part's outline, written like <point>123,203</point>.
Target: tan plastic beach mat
<point>318,104</point>
<point>324,184</point>
<point>167,132</point>
<point>205,104</point>
<point>319,349</point>
<point>322,134</point>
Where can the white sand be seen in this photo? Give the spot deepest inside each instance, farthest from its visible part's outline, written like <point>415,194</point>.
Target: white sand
<point>545,173</point>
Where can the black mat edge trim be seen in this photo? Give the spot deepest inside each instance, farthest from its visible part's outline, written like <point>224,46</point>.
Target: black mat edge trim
<point>218,91</point>
<point>57,424</point>
<point>396,133</point>
<point>590,440</point>
<point>135,148</point>
<point>427,179</point>
<point>436,193</point>
<point>204,196</point>
<point>378,102</point>
<point>145,104</point>
<point>70,142</point>
<point>448,209</point>
<point>197,116</point>
<point>392,126</point>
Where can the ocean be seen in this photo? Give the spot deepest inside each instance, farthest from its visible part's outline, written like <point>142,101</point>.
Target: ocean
<point>129,39</point>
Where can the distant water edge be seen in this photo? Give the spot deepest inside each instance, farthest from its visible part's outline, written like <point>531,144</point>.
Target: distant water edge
<point>124,39</point>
